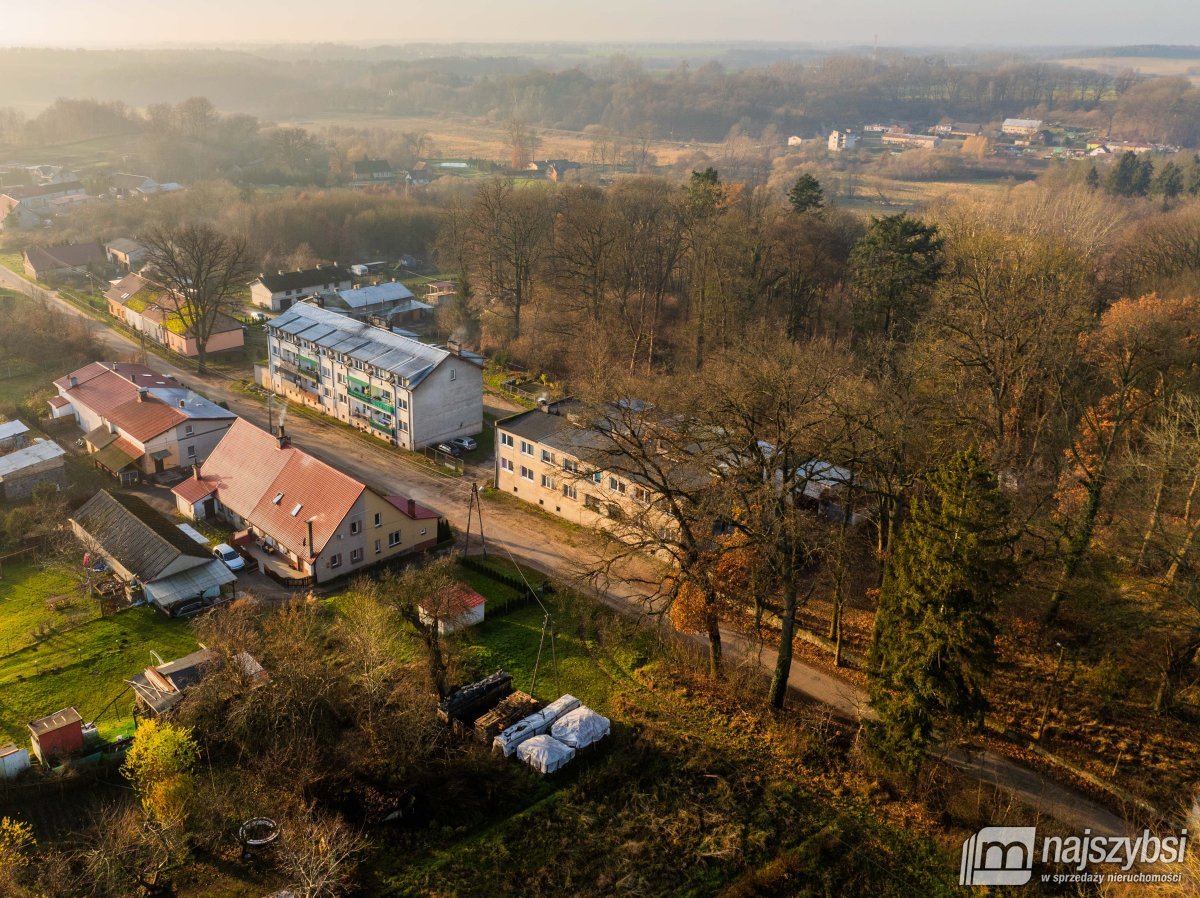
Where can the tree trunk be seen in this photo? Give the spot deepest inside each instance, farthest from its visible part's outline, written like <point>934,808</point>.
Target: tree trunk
<point>201,355</point>
<point>715,655</point>
<point>1076,550</point>
<point>1152,524</point>
<point>783,660</point>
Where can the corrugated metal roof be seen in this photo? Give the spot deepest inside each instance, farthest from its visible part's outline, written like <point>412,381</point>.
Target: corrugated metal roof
<point>39,452</point>
<point>389,291</point>
<point>10,429</point>
<point>189,584</point>
<point>408,359</point>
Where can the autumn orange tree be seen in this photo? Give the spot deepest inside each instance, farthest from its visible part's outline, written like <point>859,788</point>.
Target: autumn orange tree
<point>1135,354</point>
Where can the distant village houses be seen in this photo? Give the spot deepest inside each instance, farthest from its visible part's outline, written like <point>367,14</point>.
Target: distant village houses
<point>154,310</point>
<point>842,140</point>
<point>277,292</point>
<point>911,141</point>
<point>65,260</point>
<point>35,206</point>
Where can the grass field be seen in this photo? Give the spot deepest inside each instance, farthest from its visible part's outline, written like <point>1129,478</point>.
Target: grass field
<point>1146,65</point>
<point>458,136</point>
<point>82,661</point>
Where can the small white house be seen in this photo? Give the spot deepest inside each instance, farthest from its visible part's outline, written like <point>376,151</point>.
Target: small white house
<point>13,761</point>
<point>454,608</point>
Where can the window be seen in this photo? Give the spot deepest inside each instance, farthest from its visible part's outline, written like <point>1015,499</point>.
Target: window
<point>402,404</point>
<point>569,491</point>
<point>335,560</point>
<point>356,555</point>
<point>506,439</point>
<point>355,527</point>
<point>393,539</point>
<point>641,494</point>
<point>526,448</point>
<point>424,530</point>
<point>527,473</point>
<point>617,486</point>
<point>570,465</point>
<point>191,451</point>
<point>547,456</point>
<point>506,464</point>
<point>403,426</point>
<point>547,481</point>
<point>378,547</point>
<point>597,477</point>
<point>378,519</point>
<point>591,503</point>
<point>188,430</point>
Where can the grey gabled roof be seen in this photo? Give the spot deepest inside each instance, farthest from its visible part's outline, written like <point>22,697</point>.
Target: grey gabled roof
<point>410,360</point>
<point>138,537</point>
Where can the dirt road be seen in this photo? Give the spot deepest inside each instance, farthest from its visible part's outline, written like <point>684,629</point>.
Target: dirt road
<point>559,551</point>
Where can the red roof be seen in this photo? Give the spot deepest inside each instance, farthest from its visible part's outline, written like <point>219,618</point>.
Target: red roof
<point>58,402</point>
<point>279,490</point>
<point>411,508</point>
<point>145,419</point>
<point>193,490</point>
<point>453,601</point>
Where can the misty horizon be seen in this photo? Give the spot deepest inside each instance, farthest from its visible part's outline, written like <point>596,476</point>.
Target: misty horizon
<point>920,23</point>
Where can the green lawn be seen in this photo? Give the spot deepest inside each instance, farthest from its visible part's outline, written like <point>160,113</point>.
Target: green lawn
<point>85,660</point>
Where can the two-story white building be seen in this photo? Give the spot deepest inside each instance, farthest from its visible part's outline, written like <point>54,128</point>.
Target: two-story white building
<point>136,421</point>
<point>279,291</point>
<point>400,389</point>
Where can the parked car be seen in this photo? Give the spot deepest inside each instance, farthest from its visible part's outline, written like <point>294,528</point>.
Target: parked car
<point>449,449</point>
<point>230,556</point>
<point>260,317</point>
<point>466,444</point>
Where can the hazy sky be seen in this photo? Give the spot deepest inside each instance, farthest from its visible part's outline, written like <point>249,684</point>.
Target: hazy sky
<point>1025,22</point>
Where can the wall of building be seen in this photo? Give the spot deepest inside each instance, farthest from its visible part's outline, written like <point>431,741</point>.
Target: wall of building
<point>448,403</point>
<point>20,484</point>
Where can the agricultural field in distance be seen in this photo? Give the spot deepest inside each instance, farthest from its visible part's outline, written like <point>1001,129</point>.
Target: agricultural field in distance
<point>1145,65</point>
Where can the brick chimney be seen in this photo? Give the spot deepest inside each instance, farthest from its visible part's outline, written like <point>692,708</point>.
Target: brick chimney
<point>412,508</point>
<point>142,391</point>
<point>284,440</point>
<point>74,381</point>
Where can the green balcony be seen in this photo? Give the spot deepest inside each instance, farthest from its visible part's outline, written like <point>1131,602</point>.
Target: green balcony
<point>383,428</point>
<point>363,396</point>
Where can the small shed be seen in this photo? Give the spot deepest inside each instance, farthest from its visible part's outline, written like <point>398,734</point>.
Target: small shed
<point>455,607</point>
<point>581,728</point>
<point>56,735</point>
<point>545,754</point>
<point>13,760</point>
<point>13,435</point>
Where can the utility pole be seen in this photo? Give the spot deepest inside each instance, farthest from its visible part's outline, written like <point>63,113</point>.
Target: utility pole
<point>475,509</point>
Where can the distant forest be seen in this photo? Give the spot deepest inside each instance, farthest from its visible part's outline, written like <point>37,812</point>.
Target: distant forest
<point>631,96</point>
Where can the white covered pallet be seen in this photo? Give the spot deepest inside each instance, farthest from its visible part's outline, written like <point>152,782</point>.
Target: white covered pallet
<point>545,754</point>
<point>533,725</point>
<point>580,728</point>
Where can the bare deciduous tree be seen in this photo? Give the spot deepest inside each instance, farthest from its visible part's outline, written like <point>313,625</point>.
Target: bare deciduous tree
<point>205,270</point>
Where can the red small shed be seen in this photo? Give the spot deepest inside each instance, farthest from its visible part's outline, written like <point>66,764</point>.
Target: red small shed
<point>57,735</point>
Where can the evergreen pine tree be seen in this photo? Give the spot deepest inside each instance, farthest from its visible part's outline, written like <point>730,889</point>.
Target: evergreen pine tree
<point>806,194</point>
<point>934,643</point>
<point>1092,178</point>
<point>1121,177</point>
<point>1143,178</point>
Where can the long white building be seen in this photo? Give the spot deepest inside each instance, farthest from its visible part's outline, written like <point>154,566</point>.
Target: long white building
<point>402,390</point>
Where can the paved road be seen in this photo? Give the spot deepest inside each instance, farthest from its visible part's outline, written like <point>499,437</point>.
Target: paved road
<point>558,551</point>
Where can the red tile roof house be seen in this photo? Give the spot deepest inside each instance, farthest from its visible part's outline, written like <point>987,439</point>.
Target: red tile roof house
<point>137,421</point>
<point>153,310</point>
<point>454,608</point>
<point>323,523</point>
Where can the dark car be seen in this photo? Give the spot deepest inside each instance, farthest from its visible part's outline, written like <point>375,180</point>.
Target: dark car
<point>449,449</point>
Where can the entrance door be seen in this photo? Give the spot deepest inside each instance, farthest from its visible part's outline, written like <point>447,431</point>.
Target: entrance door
<point>160,465</point>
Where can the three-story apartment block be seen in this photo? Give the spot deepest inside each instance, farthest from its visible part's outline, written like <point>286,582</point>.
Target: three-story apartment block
<point>397,388</point>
